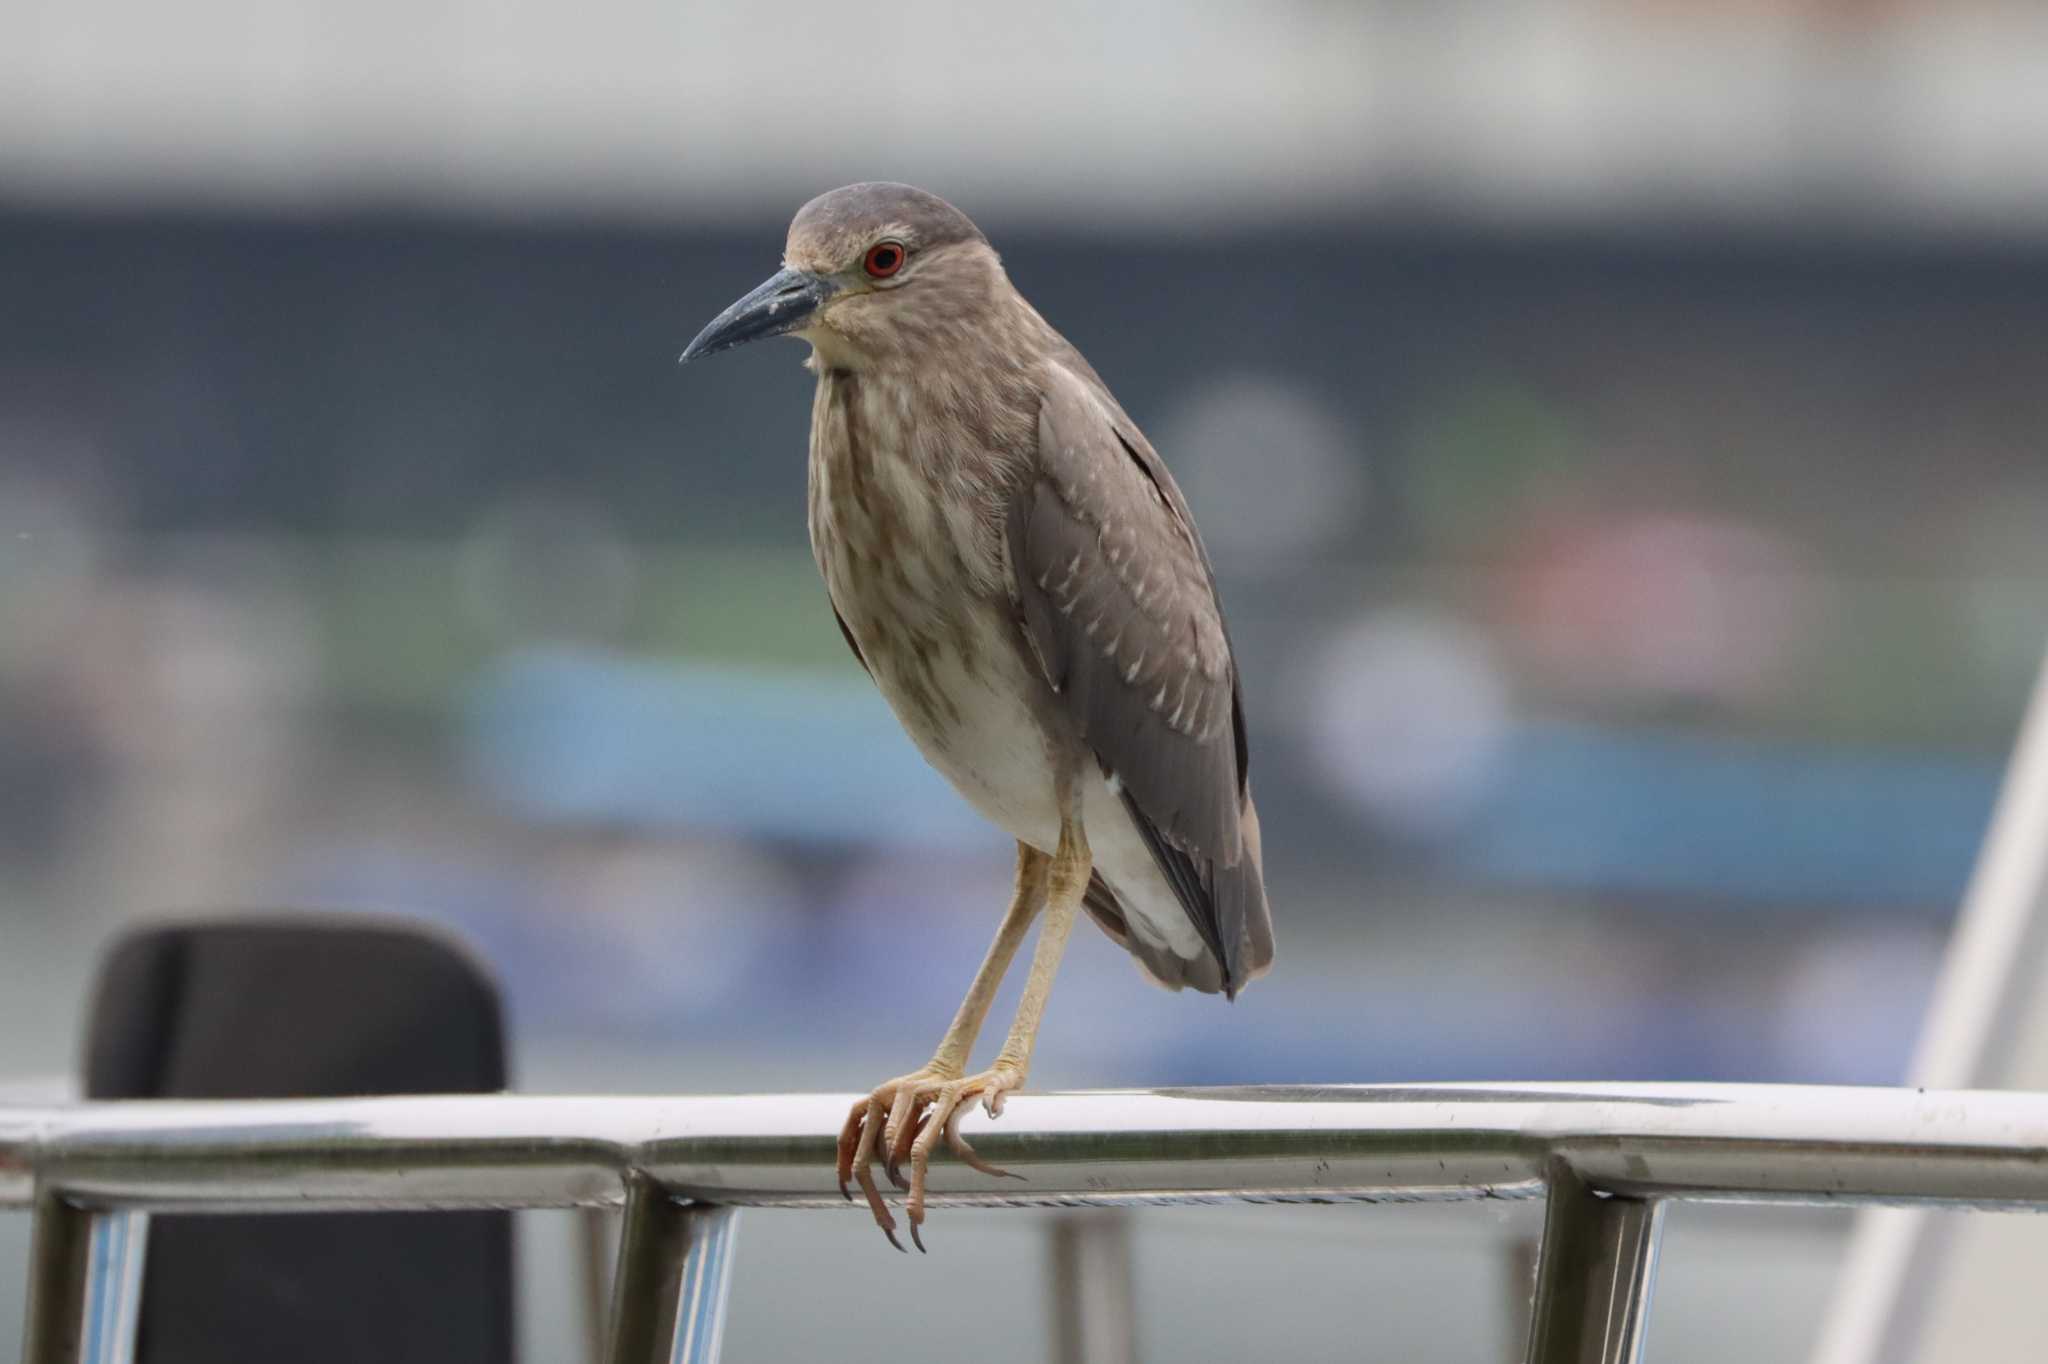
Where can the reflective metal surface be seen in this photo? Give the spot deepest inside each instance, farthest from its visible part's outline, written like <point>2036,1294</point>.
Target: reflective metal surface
<point>675,1266</point>
<point>59,1285</point>
<point>1608,1154</point>
<point>1111,1147</point>
<point>85,1284</point>
<point>1094,1303</point>
<point>1593,1276</point>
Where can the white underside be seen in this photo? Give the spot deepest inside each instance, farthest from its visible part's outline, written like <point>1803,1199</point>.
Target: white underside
<point>996,757</point>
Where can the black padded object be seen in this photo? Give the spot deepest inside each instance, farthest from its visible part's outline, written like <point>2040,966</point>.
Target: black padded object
<point>301,1008</point>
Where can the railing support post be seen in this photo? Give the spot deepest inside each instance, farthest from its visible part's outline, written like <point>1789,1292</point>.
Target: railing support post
<point>1594,1273</point>
<point>1094,1319</point>
<point>85,1281</point>
<point>669,1284</point>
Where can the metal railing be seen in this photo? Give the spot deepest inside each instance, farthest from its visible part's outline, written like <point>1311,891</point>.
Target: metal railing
<point>1607,1157</point>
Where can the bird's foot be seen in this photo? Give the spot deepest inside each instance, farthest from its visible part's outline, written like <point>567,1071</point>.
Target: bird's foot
<point>905,1119</point>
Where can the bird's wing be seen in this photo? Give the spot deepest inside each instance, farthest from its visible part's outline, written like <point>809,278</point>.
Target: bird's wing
<point>1118,601</point>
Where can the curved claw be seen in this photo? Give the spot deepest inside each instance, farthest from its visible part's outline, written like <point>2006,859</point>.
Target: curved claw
<point>901,1121</point>
<point>883,1219</point>
<point>892,1163</point>
<point>923,1108</point>
<point>904,1141</point>
<point>849,1142</point>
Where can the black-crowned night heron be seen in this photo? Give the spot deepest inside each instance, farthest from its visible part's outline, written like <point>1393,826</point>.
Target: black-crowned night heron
<point>1012,563</point>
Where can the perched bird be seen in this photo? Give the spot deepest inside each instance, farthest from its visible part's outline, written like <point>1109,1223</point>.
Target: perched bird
<point>1011,562</point>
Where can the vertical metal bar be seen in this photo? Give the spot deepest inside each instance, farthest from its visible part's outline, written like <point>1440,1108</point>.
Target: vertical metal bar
<point>595,1242</point>
<point>59,1275</point>
<point>1520,1263</point>
<point>1594,1273</point>
<point>669,1284</point>
<point>1093,1319</point>
<point>120,1240</point>
<point>85,1282</point>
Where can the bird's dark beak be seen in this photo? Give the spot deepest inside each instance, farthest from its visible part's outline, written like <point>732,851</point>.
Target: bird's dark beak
<point>781,303</point>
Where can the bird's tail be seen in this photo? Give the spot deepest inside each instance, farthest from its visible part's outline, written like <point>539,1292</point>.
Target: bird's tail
<point>1240,896</point>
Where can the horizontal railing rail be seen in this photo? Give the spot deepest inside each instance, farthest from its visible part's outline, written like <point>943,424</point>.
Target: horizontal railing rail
<point>1606,1156</point>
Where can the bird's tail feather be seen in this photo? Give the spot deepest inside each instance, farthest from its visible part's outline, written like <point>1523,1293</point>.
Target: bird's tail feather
<point>1240,893</point>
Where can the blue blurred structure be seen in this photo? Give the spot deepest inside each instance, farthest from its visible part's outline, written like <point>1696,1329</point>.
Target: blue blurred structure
<point>562,735</point>
<point>579,738</point>
<point>1726,820</point>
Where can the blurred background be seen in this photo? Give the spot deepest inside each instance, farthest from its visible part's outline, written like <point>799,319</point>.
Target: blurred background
<point>1617,424</point>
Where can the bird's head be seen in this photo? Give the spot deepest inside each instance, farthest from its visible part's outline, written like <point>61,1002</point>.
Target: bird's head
<point>872,274</point>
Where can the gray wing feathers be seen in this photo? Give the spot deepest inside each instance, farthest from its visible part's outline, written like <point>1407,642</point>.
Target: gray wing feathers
<point>1118,602</point>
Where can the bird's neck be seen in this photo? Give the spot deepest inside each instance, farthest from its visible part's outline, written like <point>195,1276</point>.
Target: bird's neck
<point>834,353</point>
<point>911,463</point>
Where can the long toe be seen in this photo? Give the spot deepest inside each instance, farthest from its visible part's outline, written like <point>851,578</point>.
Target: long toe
<point>849,1142</point>
<point>864,1172</point>
<point>903,1136</point>
<point>965,1153</point>
<point>938,1120</point>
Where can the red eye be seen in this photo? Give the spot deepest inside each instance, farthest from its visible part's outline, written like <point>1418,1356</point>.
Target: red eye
<point>884,259</point>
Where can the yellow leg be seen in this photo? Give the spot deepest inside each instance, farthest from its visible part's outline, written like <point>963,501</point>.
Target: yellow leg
<point>1066,883</point>
<point>908,1116</point>
<point>885,1110</point>
<point>1025,901</point>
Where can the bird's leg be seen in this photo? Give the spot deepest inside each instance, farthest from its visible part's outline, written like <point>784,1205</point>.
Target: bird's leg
<point>1066,883</point>
<point>876,1119</point>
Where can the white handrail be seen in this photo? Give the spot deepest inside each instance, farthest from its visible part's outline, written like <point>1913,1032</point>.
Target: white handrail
<point>1100,1148</point>
<point>1607,1155</point>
